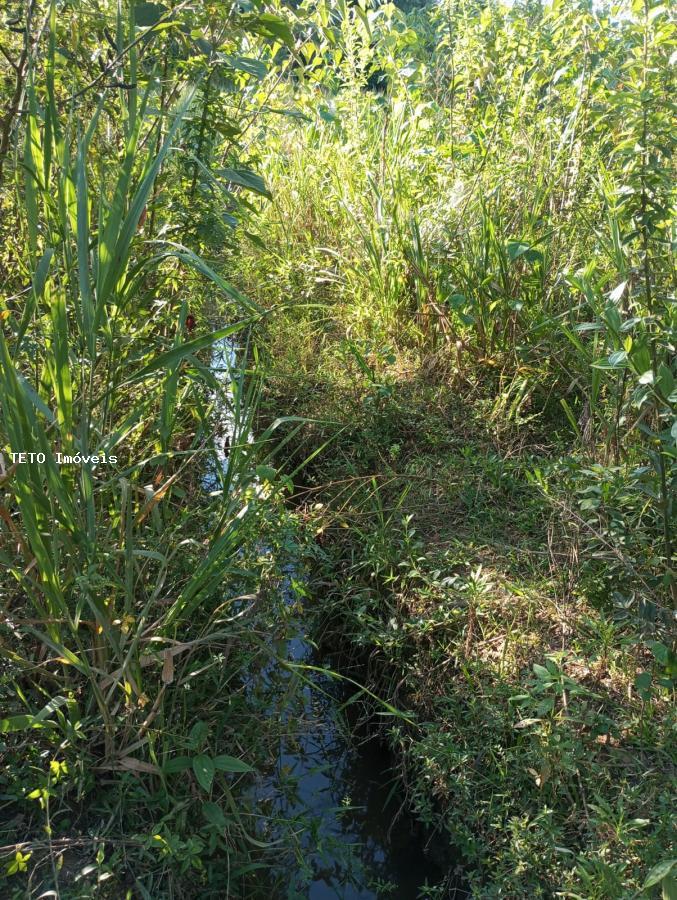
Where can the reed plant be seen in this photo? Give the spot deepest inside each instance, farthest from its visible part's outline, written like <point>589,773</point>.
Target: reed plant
<point>124,560</point>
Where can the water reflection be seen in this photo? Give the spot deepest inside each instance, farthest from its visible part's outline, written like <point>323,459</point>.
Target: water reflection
<point>336,796</point>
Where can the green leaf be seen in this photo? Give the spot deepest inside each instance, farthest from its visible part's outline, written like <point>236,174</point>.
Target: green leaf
<point>618,360</point>
<point>519,699</point>
<point>660,651</point>
<point>32,160</point>
<point>458,301</point>
<point>231,764</point>
<point>666,380</point>
<point>246,179</point>
<point>247,64</point>
<point>39,720</point>
<point>516,249</point>
<point>177,764</point>
<point>643,684</point>
<point>39,282</point>
<point>545,706</point>
<point>214,814</point>
<point>542,672</point>
<point>571,417</point>
<point>198,734</point>
<point>270,25</point>
<point>266,473</point>
<point>602,363</point>
<point>669,888</point>
<point>659,872</point>
<point>16,723</point>
<point>147,14</point>
<point>203,767</point>
<point>327,114</point>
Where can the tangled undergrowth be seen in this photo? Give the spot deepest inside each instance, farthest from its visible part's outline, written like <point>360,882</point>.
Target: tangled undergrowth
<point>483,343</point>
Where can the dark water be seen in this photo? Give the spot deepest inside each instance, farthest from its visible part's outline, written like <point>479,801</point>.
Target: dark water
<point>332,798</point>
<point>338,794</point>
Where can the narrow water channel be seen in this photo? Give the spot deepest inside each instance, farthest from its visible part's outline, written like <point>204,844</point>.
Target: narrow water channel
<point>337,794</point>
<point>334,796</point>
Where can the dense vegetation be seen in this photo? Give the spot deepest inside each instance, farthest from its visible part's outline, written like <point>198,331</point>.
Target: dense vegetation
<point>439,241</point>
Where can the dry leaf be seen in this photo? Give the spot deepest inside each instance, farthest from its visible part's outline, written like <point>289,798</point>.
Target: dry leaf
<point>168,667</point>
<point>132,764</point>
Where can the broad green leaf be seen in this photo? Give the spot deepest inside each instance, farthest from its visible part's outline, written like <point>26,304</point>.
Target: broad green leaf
<point>659,872</point>
<point>643,684</point>
<point>247,64</point>
<point>246,179</point>
<point>203,767</point>
<point>177,764</point>
<point>666,380</point>
<point>16,723</point>
<point>198,734</point>
<point>39,720</point>
<point>270,25</point>
<point>231,764</point>
<point>517,249</point>
<point>618,359</point>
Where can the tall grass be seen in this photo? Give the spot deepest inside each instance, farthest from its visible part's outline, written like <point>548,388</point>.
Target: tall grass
<point>492,216</point>
<point>119,581</point>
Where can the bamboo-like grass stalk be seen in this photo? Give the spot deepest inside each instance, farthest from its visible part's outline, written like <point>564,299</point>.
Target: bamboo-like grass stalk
<point>70,385</point>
